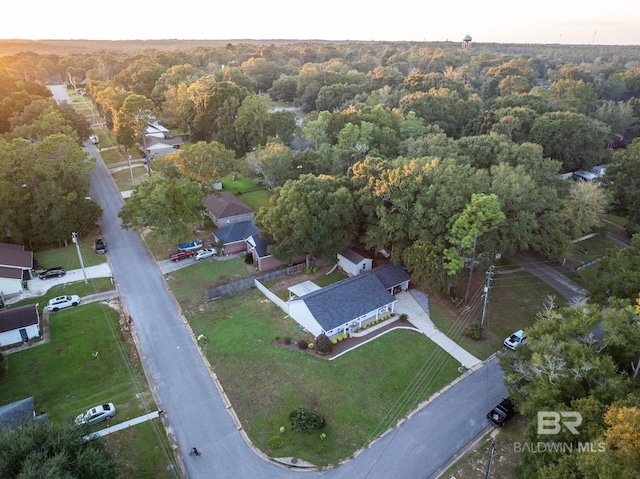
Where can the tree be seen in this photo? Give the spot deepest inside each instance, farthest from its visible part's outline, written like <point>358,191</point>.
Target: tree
<point>44,190</point>
<point>618,274</point>
<point>313,215</point>
<point>622,179</point>
<point>571,138</point>
<point>583,209</point>
<point>164,206</point>
<point>252,121</point>
<point>274,163</point>
<point>480,217</point>
<point>132,120</point>
<point>205,163</point>
<point>53,450</point>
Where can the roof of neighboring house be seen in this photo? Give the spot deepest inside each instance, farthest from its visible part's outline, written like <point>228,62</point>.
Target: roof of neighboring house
<point>346,300</point>
<point>351,255</point>
<point>225,205</point>
<point>17,412</point>
<point>156,128</point>
<point>14,255</point>
<point>10,273</point>
<point>153,144</point>
<point>20,317</point>
<point>260,245</point>
<point>236,232</point>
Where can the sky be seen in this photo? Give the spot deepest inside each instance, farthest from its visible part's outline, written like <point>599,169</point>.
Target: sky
<point>612,22</point>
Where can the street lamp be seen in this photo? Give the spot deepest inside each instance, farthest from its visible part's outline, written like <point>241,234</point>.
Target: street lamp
<point>74,238</point>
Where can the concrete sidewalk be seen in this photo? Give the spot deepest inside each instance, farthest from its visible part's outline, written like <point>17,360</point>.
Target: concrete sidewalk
<point>124,425</point>
<point>417,315</point>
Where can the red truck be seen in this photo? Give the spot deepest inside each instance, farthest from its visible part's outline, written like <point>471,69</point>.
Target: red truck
<point>180,254</point>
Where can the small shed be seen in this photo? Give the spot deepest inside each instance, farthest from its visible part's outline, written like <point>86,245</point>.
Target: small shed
<point>353,263</point>
<point>18,325</point>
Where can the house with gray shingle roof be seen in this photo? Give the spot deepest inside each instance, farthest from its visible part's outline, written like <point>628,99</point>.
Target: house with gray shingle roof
<point>348,304</point>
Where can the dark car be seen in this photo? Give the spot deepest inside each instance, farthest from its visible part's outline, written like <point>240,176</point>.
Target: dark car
<point>57,272</point>
<point>101,248</point>
<point>178,255</point>
<point>504,411</point>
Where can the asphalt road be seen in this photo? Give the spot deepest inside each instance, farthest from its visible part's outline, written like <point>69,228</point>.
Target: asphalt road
<point>198,416</point>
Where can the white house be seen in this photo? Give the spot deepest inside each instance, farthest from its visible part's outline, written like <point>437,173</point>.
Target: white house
<point>349,304</point>
<point>353,263</point>
<point>18,325</point>
<point>15,269</point>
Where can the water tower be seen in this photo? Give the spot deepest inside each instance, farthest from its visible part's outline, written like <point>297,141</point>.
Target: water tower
<point>466,42</point>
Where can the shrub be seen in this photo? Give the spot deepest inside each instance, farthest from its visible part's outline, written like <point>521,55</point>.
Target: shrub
<point>287,340</point>
<point>275,441</point>
<point>324,344</point>
<point>302,344</point>
<point>278,339</point>
<point>248,258</point>
<point>311,345</point>
<point>303,419</point>
<point>404,317</point>
<point>334,341</point>
<point>475,330</point>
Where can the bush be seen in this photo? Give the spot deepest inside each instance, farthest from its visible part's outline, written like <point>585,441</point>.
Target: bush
<point>303,419</point>
<point>302,344</point>
<point>404,317</point>
<point>277,339</point>
<point>475,330</point>
<point>287,340</point>
<point>275,442</point>
<point>323,344</point>
<point>311,345</point>
<point>248,258</point>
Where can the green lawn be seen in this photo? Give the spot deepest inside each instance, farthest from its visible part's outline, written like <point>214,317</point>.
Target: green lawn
<point>514,299</point>
<point>67,256</point>
<point>252,194</point>
<point>66,378</point>
<point>360,394</point>
<point>122,178</point>
<point>188,284</point>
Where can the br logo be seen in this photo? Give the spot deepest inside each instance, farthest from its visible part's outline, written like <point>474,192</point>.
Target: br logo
<point>551,422</point>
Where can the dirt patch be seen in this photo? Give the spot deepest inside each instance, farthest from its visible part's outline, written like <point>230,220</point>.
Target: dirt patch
<point>287,281</point>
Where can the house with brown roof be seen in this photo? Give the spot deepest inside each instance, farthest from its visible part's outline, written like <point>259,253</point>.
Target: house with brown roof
<point>19,325</point>
<point>226,209</point>
<point>16,265</point>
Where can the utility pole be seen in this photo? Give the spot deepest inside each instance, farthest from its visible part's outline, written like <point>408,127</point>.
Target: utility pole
<point>74,238</point>
<point>491,453</point>
<point>486,293</point>
<point>130,170</point>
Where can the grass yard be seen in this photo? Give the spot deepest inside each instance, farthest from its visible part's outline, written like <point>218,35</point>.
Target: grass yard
<point>67,256</point>
<point>514,299</point>
<point>188,284</point>
<point>122,178</point>
<point>252,194</point>
<point>66,379</point>
<point>357,394</point>
<point>115,155</point>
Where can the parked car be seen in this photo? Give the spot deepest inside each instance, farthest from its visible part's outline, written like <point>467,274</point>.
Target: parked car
<point>504,411</point>
<point>57,272</point>
<point>516,339</point>
<point>205,253</point>
<point>96,414</point>
<point>62,302</point>
<point>101,248</point>
<point>178,255</point>
<point>94,139</point>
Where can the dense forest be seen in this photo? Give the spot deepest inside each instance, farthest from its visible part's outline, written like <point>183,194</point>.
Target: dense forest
<point>442,155</point>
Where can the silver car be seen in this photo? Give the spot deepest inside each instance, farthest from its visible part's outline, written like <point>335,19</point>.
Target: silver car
<point>205,253</point>
<point>96,414</point>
